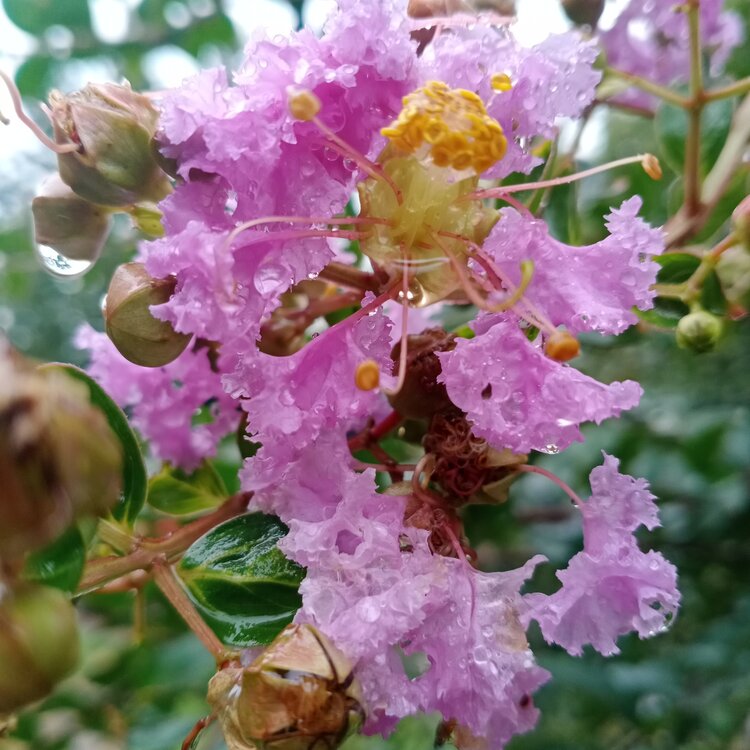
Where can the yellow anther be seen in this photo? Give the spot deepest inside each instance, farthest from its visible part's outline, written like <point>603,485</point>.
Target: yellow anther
<point>652,167</point>
<point>367,375</point>
<point>303,104</point>
<point>451,126</point>
<point>501,82</point>
<point>562,346</point>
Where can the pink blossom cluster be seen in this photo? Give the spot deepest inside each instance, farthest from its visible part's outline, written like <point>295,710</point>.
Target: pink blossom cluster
<point>375,584</point>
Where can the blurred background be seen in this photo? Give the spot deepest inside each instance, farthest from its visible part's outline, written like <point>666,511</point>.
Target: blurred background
<point>690,437</point>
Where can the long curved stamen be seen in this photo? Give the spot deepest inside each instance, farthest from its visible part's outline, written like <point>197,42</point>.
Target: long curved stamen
<point>404,294</point>
<point>500,192</point>
<point>367,166</point>
<point>462,21</point>
<point>331,221</point>
<point>530,469</point>
<point>15,95</point>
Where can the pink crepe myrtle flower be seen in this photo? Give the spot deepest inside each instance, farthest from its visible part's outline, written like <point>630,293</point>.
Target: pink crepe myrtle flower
<point>518,398</point>
<point>163,401</point>
<point>650,38</point>
<point>377,591</point>
<point>611,587</point>
<point>591,288</point>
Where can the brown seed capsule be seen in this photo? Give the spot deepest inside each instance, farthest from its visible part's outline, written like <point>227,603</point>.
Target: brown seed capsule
<point>421,395</point>
<point>298,694</point>
<point>115,126</point>
<point>137,334</point>
<point>59,458</point>
<point>67,223</point>
<point>38,643</point>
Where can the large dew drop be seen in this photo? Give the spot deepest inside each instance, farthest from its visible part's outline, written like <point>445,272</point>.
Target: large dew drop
<point>60,266</point>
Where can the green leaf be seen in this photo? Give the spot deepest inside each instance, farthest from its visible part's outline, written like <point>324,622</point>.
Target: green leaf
<point>35,16</point>
<point>712,295</point>
<point>134,478</point>
<point>416,732</point>
<point>676,267</point>
<point>178,493</point>
<point>671,125</point>
<point>60,564</point>
<point>666,312</point>
<point>240,581</point>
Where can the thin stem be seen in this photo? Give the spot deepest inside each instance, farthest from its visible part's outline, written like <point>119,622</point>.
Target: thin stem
<point>649,87</point>
<point>166,580</point>
<point>374,170</point>
<point>738,88</point>
<point>371,435</point>
<point>373,304</point>
<point>101,571</point>
<point>388,467</point>
<point>692,176</point>
<point>15,96</point>
<point>349,277</point>
<point>500,192</point>
<point>404,338</point>
<point>531,469</point>
<point>694,284</point>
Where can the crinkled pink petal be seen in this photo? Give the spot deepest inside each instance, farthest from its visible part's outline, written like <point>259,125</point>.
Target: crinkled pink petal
<point>592,288</point>
<point>611,587</point>
<point>164,400</point>
<point>517,398</point>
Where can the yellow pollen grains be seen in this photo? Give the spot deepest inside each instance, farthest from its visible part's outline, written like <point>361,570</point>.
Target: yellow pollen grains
<point>562,346</point>
<point>501,82</point>
<point>303,104</point>
<point>451,125</point>
<point>367,375</point>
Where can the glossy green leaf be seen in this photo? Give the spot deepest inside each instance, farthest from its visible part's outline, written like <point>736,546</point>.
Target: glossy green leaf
<point>666,312</point>
<point>712,295</point>
<point>35,16</point>
<point>244,587</point>
<point>179,493</point>
<point>676,267</point>
<point>134,478</point>
<point>60,564</point>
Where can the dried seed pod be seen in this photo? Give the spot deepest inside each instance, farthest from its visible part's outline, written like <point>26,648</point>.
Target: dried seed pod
<point>38,643</point>
<point>138,335</point>
<point>298,694</point>
<point>59,458</point>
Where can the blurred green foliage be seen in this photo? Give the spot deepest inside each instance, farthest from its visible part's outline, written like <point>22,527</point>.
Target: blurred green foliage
<point>143,688</point>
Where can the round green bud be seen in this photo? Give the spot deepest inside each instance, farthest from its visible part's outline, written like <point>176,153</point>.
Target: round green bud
<point>699,331</point>
<point>138,335</point>
<point>74,227</point>
<point>59,458</point>
<point>733,269</point>
<point>115,126</point>
<point>39,643</point>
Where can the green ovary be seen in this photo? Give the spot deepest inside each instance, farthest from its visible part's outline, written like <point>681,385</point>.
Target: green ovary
<point>430,205</point>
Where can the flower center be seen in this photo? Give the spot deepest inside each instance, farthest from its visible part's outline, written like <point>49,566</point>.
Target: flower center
<point>451,126</point>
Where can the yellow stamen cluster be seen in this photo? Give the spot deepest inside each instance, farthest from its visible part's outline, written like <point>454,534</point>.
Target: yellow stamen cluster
<point>367,375</point>
<point>454,126</point>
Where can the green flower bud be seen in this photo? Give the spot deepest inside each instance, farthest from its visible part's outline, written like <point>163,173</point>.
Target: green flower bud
<point>584,12</point>
<point>699,331</point>
<point>733,269</point>
<point>67,223</point>
<point>136,333</point>
<point>115,164</point>
<point>38,643</point>
<point>741,223</point>
<point>59,458</point>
